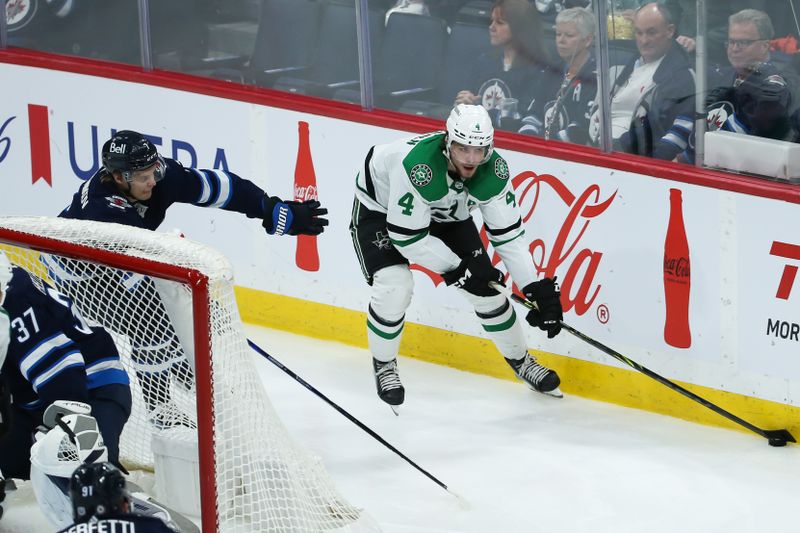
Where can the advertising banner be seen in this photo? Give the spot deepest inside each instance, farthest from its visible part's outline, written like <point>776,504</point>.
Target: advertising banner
<point>694,282</point>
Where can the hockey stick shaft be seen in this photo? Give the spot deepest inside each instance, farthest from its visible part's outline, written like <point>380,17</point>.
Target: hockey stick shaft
<point>777,434</point>
<point>344,413</point>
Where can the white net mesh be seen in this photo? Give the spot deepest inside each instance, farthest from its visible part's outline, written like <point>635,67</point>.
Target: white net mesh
<point>264,480</point>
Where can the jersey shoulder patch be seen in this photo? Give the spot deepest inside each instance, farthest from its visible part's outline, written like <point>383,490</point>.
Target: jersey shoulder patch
<point>426,167</point>
<point>118,202</point>
<point>490,179</point>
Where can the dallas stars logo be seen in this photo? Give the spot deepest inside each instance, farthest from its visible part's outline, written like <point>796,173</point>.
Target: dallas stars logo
<point>382,241</point>
<point>421,175</point>
<point>501,168</point>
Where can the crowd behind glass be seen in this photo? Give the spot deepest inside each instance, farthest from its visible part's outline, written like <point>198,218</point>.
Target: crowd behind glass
<point>532,64</point>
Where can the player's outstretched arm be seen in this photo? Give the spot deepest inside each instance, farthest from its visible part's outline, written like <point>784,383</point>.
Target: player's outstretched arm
<point>293,218</point>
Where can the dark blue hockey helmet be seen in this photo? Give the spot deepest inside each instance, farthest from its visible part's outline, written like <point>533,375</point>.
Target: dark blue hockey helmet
<point>97,489</point>
<point>128,151</point>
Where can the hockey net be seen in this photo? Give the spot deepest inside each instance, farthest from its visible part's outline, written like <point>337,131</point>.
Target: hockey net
<point>141,286</point>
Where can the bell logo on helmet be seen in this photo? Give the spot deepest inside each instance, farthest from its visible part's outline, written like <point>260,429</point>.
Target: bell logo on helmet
<point>116,149</point>
<point>421,175</point>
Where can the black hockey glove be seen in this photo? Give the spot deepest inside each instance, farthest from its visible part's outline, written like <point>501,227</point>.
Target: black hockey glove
<point>293,218</point>
<point>473,275</point>
<point>548,314</point>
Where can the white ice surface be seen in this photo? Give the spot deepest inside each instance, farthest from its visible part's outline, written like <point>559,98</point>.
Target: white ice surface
<point>524,462</point>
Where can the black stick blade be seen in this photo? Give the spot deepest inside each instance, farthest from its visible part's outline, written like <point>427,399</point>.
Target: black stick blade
<point>778,437</point>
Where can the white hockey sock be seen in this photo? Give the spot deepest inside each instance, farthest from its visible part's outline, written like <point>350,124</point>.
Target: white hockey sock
<point>505,330</point>
<point>384,336</point>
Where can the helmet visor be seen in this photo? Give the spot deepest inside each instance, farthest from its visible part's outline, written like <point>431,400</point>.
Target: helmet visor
<point>155,171</point>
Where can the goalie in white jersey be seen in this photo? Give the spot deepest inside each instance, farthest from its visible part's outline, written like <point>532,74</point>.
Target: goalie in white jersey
<point>413,204</point>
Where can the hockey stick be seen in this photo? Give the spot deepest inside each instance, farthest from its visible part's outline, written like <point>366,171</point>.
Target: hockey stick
<point>775,437</point>
<point>351,418</point>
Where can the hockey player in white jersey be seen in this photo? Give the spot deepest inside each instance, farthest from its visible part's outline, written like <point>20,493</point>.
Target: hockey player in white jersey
<point>413,204</point>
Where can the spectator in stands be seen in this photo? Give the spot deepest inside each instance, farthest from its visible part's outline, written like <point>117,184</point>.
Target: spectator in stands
<point>751,95</point>
<point>652,99</point>
<point>562,105</point>
<point>513,67</point>
<point>761,91</point>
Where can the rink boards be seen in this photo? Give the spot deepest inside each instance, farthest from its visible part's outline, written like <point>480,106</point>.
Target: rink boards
<point>599,226</point>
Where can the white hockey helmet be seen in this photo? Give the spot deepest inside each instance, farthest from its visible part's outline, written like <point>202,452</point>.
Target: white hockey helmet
<point>470,125</point>
<point>55,455</point>
<point>5,274</point>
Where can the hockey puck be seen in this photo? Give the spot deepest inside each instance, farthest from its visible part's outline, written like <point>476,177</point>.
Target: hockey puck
<point>777,441</point>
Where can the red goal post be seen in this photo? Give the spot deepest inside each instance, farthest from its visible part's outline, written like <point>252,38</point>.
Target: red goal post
<point>136,283</point>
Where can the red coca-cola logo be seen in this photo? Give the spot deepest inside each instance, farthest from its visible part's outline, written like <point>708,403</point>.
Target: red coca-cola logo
<point>578,287</point>
<point>677,267</point>
<point>307,192</point>
<point>575,266</point>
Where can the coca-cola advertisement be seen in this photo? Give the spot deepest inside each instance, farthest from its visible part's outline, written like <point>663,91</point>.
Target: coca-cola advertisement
<point>305,188</point>
<point>677,276</point>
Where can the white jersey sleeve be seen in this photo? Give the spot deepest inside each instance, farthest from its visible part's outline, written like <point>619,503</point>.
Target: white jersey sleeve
<point>497,203</point>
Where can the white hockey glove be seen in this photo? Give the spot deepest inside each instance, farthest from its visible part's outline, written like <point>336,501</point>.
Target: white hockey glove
<point>74,439</point>
<point>61,408</point>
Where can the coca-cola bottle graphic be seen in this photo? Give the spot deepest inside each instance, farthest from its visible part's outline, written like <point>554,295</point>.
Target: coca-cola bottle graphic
<point>677,276</point>
<point>305,188</point>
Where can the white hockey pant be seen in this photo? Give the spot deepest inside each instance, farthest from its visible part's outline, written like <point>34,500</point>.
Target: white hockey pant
<point>392,288</point>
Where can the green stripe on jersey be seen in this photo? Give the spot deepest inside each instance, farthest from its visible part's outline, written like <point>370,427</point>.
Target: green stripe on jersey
<point>412,240</point>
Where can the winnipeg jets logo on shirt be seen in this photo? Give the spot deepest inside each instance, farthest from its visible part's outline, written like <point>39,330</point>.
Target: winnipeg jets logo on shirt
<point>421,175</point>
<point>141,209</point>
<point>492,92</point>
<point>718,114</point>
<point>118,202</point>
<point>382,241</point>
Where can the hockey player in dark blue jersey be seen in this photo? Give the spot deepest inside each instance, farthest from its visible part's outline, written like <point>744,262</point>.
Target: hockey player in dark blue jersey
<point>101,503</point>
<point>135,187</point>
<point>55,357</point>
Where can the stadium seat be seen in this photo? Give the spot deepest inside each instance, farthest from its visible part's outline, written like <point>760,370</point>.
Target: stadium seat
<point>410,59</point>
<point>336,62</point>
<point>465,44</point>
<point>286,39</point>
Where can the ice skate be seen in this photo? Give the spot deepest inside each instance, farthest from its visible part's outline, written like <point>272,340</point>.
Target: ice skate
<point>538,377</point>
<point>387,381</point>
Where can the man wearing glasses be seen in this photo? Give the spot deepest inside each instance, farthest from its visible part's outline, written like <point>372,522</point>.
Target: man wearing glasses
<point>753,96</point>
